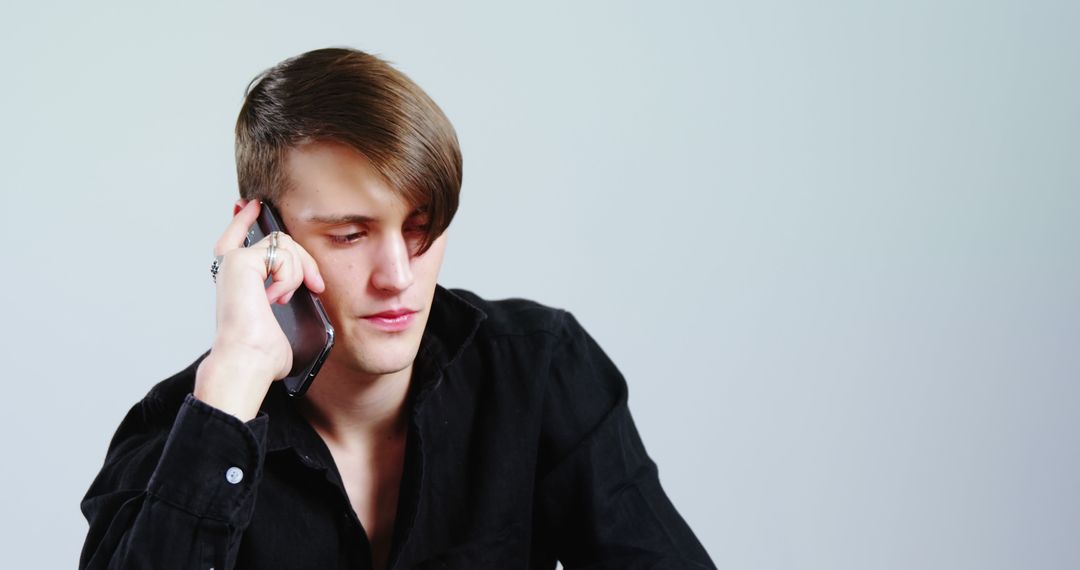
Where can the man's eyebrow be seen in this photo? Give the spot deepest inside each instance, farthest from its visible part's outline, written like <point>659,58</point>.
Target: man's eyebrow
<point>335,220</point>
<point>339,220</point>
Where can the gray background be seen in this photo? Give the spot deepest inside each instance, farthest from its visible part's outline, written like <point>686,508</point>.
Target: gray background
<point>832,245</point>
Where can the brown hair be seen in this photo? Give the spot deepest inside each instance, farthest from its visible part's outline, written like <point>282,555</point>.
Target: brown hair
<point>353,98</point>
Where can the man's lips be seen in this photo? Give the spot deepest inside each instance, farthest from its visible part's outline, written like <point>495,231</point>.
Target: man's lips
<point>391,314</point>
<point>392,321</point>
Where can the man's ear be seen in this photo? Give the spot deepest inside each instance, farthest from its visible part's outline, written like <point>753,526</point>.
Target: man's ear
<point>239,206</point>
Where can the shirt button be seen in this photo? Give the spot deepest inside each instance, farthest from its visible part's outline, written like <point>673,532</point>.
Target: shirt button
<point>234,475</point>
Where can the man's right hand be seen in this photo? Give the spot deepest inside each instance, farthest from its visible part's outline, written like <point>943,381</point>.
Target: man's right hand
<point>250,350</point>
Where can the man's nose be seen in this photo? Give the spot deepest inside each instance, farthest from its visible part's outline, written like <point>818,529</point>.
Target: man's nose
<point>393,271</point>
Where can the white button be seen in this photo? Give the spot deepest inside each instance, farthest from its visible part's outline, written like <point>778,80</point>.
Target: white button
<point>234,475</point>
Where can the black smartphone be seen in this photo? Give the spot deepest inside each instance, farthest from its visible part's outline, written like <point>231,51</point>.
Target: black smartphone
<point>303,318</point>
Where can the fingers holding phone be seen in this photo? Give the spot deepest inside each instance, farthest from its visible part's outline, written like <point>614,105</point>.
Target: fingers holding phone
<point>250,348</point>
<point>292,265</point>
<point>298,310</point>
<point>244,317</point>
<point>237,233</point>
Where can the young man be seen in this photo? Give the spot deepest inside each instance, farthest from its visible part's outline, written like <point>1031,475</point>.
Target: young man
<point>443,431</point>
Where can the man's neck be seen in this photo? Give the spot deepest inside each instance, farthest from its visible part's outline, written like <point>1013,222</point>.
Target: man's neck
<point>349,408</point>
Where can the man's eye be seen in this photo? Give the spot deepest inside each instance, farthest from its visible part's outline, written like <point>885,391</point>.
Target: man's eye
<point>348,238</point>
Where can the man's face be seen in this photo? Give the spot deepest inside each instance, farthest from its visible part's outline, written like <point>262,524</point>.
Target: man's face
<point>363,236</point>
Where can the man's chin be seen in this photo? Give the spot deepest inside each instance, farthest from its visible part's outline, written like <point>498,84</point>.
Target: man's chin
<point>389,361</point>
<point>369,353</point>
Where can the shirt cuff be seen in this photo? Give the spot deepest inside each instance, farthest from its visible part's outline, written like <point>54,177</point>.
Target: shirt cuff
<point>212,462</point>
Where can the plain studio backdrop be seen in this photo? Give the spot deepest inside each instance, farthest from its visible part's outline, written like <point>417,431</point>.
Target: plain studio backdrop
<point>833,246</point>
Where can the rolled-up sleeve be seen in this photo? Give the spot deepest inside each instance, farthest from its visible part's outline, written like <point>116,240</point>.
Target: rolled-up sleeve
<point>177,489</point>
<point>599,493</point>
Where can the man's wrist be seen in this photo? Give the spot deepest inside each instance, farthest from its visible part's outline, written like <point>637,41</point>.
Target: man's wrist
<point>233,383</point>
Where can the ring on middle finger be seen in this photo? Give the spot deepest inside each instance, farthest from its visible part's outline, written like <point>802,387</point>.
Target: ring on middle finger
<point>271,256</point>
<point>271,252</point>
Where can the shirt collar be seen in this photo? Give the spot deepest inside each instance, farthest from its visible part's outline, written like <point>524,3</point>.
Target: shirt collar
<point>451,327</point>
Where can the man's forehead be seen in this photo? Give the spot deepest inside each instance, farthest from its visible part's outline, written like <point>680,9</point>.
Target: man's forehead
<point>338,218</point>
<point>342,202</point>
<point>330,183</point>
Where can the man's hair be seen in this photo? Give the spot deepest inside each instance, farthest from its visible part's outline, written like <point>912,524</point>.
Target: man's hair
<point>356,99</point>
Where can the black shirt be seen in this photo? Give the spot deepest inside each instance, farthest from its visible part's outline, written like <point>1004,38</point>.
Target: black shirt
<point>520,452</point>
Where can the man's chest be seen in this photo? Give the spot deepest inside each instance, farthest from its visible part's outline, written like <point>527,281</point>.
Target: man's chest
<point>462,496</point>
<point>371,479</point>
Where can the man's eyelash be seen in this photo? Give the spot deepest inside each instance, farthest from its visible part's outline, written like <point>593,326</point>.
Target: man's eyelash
<point>356,236</point>
<point>348,238</point>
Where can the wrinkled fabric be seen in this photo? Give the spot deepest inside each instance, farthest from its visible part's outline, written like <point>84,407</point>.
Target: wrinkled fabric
<point>520,451</point>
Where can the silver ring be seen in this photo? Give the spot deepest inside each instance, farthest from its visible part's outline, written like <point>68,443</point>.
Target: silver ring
<point>271,256</point>
<point>271,251</point>
<point>215,267</point>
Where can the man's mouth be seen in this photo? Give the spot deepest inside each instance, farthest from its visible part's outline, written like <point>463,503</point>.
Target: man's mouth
<point>392,320</point>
